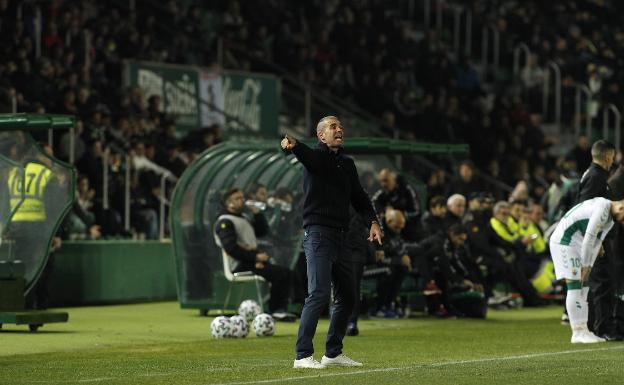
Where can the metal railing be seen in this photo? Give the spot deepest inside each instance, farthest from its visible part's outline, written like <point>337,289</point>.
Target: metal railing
<point>581,89</point>
<point>520,48</point>
<point>457,19</point>
<point>551,65</point>
<point>485,48</point>
<point>617,127</point>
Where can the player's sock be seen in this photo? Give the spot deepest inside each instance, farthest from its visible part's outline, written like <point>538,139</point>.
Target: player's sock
<point>576,304</point>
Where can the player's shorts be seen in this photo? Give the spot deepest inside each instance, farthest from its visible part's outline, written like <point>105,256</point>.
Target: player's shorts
<point>567,261</point>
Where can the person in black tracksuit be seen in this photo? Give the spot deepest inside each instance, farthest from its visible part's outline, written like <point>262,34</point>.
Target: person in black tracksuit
<point>601,292</point>
<point>396,193</point>
<point>360,252</point>
<point>616,183</point>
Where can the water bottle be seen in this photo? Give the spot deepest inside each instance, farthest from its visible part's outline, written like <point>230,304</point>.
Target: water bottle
<point>257,204</point>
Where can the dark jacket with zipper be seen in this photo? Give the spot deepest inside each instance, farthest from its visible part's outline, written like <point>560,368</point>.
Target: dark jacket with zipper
<point>330,185</point>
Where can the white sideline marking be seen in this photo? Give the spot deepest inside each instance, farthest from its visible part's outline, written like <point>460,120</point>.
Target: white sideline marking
<point>339,374</point>
<point>434,365</point>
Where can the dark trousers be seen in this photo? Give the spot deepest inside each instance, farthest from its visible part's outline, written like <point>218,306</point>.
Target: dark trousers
<point>358,271</point>
<point>323,247</point>
<point>389,285</point>
<point>601,295</point>
<point>281,282</point>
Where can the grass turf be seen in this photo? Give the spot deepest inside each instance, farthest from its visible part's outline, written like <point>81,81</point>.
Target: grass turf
<point>161,344</point>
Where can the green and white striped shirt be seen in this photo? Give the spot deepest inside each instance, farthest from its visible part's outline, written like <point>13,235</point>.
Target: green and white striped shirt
<point>584,227</point>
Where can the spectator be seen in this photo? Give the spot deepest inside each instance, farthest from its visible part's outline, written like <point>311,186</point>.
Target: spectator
<point>432,221</point>
<point>581,154</point>
<point>466,182</point>
<point>456,208</point>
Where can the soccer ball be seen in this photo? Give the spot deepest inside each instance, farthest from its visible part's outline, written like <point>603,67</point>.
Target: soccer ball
<point>249,309</point>
<point>220,327</point>
<point>239,328</point>
<point>264,325</point>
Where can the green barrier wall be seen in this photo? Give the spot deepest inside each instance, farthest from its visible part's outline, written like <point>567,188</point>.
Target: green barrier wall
<point>98,272</point>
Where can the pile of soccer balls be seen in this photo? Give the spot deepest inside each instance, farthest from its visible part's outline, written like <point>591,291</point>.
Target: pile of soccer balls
<point>238,326</point>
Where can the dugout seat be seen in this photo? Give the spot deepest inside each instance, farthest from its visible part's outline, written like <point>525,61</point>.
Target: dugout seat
<point>239,277</point>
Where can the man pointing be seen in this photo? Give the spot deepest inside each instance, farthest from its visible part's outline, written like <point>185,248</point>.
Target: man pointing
<point>331,184</point>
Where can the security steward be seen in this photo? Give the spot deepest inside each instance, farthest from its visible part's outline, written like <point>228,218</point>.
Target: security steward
<point>29,222</point>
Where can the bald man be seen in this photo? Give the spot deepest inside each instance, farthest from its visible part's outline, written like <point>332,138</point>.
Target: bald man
<point>330,185</point>
<point>395,193</point>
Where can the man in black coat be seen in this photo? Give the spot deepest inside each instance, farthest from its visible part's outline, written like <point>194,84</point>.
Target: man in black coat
<point>594,183</point>
<point>395,193</point>
<point>616,183</point>
<point>359,252</point>
<point>330,186</point>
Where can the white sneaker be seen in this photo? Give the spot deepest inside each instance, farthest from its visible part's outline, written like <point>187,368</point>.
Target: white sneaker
<point>308,363</point>
<point>585,337</point>
<point>340,360</point>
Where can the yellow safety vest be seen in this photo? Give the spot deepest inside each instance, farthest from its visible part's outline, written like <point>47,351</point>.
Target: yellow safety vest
<point>503,230</point>
<point>32,208</point>
<point>539,244</point>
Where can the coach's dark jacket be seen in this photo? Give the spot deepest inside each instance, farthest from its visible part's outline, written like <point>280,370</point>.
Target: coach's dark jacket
<point>330,185</point>
<point>594,184</point>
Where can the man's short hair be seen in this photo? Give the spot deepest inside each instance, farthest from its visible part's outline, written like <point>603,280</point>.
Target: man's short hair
<point>455,197</point>
<point>499,206</point>
<point>600,149</point>
<point>229,193</point>
<point>519,202</point>
<point>321,124</point>
<point>253,188</point>
<point>436,201</point>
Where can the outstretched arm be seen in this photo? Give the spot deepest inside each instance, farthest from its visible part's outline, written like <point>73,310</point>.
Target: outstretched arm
<point>310,159</point>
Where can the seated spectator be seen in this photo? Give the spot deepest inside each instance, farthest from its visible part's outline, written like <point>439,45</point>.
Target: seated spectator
<point>456,205</point>
<point>395,193</point>
<point>500,253</point>
<point>236,234</point>
<point>432,221</point>
<point>460,278</point>
<point>80,222</point>
<point>515,212</point>
<point>466,182</point>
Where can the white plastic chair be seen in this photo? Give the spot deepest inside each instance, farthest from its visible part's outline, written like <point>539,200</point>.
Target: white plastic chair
<point>239,277</point>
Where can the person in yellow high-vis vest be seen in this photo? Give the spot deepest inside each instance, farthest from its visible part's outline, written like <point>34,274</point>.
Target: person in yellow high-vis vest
<point>32,208</point>
<point>28,229</point>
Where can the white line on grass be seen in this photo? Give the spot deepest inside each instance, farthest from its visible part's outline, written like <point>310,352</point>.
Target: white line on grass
<point>340,374</point>
<point>421,366</point>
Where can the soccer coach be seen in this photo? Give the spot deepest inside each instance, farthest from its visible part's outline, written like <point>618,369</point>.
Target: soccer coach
<point>330,185</point>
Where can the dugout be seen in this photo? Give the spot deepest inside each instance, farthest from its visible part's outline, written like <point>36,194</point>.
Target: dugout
<point>195,205</point>
<point>37,192</point>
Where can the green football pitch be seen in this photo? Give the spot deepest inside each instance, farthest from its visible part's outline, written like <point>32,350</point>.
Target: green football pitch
<point>161,344</point>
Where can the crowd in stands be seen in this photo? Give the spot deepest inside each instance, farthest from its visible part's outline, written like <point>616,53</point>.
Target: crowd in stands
<point>120,126</point>
<point>367,53</point>
<point>471,236</point>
